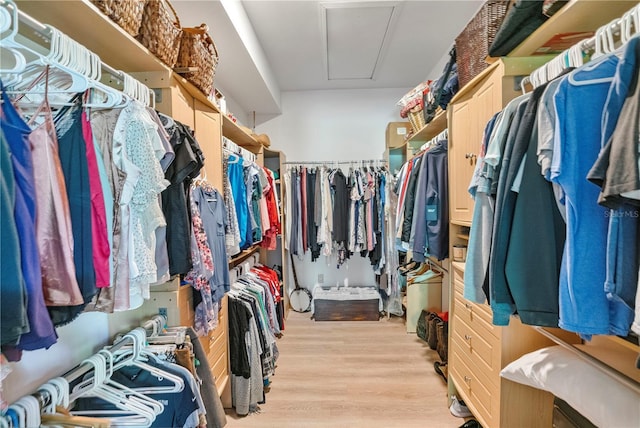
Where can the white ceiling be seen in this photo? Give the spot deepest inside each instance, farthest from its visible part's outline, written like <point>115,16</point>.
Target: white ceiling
<point>268,46</point>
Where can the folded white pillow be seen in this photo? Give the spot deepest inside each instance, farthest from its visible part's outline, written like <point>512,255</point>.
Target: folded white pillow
<point>597,396</point>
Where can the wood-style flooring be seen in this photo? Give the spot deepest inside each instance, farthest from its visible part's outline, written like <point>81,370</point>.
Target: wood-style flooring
<point>352,374</point>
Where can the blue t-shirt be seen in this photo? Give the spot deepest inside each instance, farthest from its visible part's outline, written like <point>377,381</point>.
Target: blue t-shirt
<point>579,102</point>
<point>239,191</point>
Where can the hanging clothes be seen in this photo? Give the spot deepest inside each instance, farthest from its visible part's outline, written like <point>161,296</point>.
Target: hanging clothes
<point>73,159</point>
<point>212,211</point>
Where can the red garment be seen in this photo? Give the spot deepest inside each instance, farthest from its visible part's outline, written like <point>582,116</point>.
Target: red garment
<point>269,238</point>
<point>101,248</point>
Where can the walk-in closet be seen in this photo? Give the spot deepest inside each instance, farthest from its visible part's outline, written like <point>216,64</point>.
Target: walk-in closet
<point>341,213</point>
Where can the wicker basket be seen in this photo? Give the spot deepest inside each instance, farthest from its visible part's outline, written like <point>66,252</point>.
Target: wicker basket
<point>416,117</point>
<point>126,13</point>
<point>197,50</point>
<point>472,44</point>
<point>160,30</point>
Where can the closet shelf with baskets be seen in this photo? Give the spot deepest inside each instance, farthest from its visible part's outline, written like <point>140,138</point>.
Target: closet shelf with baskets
<point>84,21</point>
<point>431,129</point>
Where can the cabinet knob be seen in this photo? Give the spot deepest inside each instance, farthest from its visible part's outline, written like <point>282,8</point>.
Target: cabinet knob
<point>467,337</point>
<point>470,155</point>
<point>467,379</point>
<point>467,305</point>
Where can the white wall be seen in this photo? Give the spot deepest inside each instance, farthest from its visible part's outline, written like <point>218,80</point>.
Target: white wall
<point>76,341</point>
<point>333,125</point>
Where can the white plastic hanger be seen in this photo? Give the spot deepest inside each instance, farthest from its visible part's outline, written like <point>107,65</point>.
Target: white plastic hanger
<point>133,356</point>
<point>604,44</point>
<point>132,411</point>
<point>155,405</point>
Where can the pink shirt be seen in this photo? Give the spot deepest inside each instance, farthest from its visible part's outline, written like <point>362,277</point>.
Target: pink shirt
<point>101,249</point>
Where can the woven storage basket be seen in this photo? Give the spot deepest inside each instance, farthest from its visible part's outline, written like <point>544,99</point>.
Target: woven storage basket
<point>126,13</point>
<point>416,117</point>
<point>197,50</point>
<point>472,44</point>
<point>160,30</point>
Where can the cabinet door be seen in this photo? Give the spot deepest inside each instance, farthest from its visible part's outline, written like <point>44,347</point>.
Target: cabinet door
<point>463,135</point>
<point>208,131</point>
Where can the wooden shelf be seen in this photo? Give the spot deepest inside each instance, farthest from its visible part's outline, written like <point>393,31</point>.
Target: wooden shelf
<point>576,16</point>
<point>233,132</point>
<point>461,236</point>
<point>82,21</point>
<point>242,256</point>
<point>431,129</point>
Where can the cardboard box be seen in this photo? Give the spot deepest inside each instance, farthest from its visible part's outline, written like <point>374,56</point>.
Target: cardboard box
<point>396,133</point>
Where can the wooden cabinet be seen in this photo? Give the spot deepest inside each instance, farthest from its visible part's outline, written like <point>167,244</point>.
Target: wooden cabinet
<point>216,344</point>
<point>478,351</point>
<point>275,160</point>
<point>469,112</point>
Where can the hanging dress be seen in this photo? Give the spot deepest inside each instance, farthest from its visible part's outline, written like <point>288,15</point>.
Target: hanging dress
<point>73,159</point>
<point>53,219</point>
<point>41,333</point>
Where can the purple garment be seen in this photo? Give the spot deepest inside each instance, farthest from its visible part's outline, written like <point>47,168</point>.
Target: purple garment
<point>42,333</point>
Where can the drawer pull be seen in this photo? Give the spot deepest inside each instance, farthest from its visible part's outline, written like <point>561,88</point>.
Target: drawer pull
<point>467,337</point>
<point>467,379</point>
<point>467,305</point>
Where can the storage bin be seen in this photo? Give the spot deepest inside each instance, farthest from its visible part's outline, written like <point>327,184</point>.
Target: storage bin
<point>160,31</point>
<point>198,52</point>
<point>126,13</point>
<point>472,44</point>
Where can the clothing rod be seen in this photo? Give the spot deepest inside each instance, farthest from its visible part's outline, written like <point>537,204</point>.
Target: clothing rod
<point>334,162</point>
<point>45,32</point>
<point>588,44</point>
<point>80,370</point>
<point>591,360</point>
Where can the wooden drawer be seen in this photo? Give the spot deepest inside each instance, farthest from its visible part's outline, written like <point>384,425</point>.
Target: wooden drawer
<point>478,393</point>
<point>219,370</point>
<point>482,349</point>
<point>473,313</point>
<point>217,347</point>
<point>458,277</point>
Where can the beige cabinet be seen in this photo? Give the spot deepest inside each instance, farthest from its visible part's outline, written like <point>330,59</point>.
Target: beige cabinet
<point>478,350</point>
<point>469,112</point>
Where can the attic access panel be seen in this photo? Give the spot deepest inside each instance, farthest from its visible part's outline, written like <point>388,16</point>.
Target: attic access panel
<point>355,35</point>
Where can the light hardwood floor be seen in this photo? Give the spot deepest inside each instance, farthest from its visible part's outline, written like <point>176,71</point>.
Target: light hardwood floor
<point>352,374</point>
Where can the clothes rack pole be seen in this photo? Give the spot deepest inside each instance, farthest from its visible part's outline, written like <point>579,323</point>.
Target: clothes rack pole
<point>589,44</point>
<point>45,35</point>
<point>384,161</point>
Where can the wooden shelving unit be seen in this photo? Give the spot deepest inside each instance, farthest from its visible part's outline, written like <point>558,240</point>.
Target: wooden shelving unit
<point>431,129</point>
<point>576,16</point>
<point>121,51</point>
<point>244,255</point>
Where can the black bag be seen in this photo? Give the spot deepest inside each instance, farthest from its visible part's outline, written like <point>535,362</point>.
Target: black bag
<point>421,325</point>
<point>430,107</point>
<point>442,346</point>
<point>432,338</point>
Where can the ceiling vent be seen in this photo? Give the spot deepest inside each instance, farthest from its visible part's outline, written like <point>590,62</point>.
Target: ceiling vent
<point>355,35</point>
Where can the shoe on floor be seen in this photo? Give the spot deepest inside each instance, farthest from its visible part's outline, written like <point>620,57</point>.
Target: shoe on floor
<point>459,409</point>
<point>441,369</point>
<point>471,424</point>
